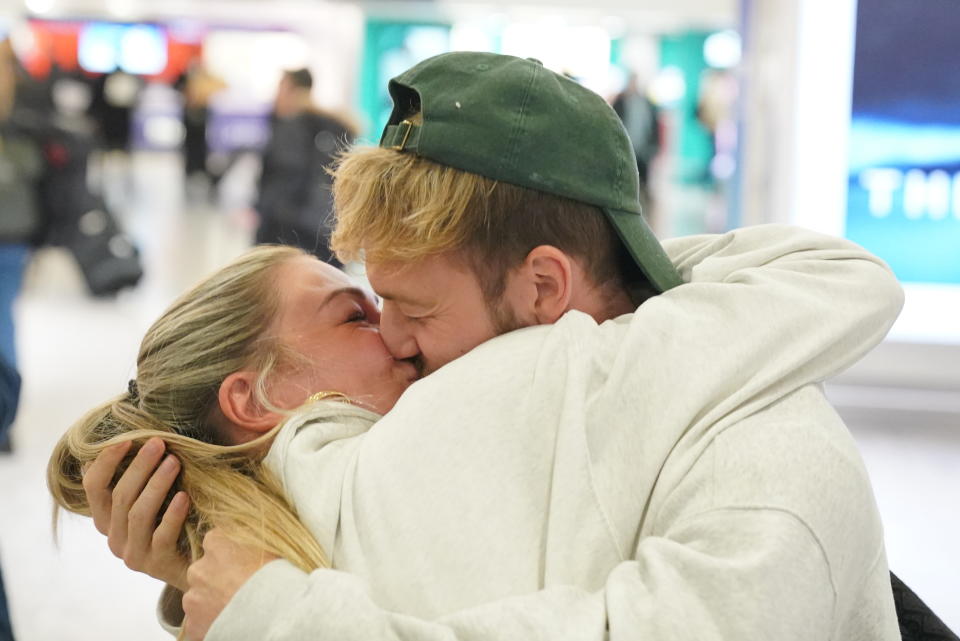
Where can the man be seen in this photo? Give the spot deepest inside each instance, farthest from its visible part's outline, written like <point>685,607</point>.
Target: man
<point>640,117</point>
<point>483,230</point>
<point>294,202</point>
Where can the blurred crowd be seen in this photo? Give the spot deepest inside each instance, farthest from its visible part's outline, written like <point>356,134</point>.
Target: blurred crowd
<point>65,142</point>
<point>67,138</point>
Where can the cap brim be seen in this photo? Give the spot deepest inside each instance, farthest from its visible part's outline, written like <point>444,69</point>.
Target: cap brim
<point>645,249</point>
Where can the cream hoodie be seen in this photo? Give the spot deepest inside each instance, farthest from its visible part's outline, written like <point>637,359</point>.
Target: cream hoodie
<point>671,474</point>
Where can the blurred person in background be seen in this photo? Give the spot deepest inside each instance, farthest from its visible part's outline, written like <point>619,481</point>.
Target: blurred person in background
<point>20,215</point>
<point>19,221</point>
<point>197,85</point>
<point>716,111</point>
<point>294,204</point>
<point>641,120</point>
<point>115,96</point>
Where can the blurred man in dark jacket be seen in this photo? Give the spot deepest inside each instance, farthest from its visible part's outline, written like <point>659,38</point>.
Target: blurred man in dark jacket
<point>294,202</point>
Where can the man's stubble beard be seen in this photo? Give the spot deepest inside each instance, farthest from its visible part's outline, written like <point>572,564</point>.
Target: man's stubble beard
<point>504,319</point>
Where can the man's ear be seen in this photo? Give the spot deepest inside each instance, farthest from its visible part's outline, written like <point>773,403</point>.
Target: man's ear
<point>239,404</point>
<point>552,274</point>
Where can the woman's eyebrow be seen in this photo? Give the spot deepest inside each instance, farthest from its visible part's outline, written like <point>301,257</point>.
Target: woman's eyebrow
<point>354,292</point>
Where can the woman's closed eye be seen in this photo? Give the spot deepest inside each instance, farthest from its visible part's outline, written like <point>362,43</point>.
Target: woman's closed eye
<point>359,309</point>
<point>357,316</point>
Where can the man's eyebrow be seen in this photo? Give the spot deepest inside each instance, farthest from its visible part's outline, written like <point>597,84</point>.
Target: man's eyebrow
<point>394,297</point>
<point>355,292</point>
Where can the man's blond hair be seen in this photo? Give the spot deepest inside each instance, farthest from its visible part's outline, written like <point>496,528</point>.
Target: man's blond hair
<point>399,207</point>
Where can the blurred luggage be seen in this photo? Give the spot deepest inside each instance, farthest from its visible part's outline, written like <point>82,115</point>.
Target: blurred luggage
<point>106,256</point>
<point>80,221</point>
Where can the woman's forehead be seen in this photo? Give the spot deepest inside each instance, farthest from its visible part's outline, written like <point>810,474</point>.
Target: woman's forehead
<point>312,272</point>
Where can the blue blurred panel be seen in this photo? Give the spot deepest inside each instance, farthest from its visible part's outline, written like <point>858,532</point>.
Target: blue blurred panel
<point>237,130</point>
<point>920,247</point>
<point>139,49</point>
<point>904,180</point>
<point>390,48</point>
<point>99,46</point>
<point>143,49</point>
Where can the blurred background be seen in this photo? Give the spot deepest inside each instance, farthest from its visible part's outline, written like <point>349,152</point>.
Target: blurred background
<point>142,146</point>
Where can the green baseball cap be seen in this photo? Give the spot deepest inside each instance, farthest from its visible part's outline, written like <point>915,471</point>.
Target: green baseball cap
<point>512,120</point>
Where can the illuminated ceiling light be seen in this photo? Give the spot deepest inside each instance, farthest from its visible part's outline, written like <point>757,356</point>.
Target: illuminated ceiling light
<point>97,47</point>
<point>40,7</point>
<point>143,50</point>
<point>668,87</point>
<point>722,50</point>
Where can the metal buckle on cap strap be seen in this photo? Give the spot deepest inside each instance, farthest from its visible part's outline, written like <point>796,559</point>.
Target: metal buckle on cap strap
<point>402,131</point>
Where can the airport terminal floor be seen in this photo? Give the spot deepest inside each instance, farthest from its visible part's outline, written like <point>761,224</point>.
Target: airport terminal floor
<point>76,351</point>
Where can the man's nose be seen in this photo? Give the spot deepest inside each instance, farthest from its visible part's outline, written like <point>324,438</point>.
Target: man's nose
<point>396,336</point>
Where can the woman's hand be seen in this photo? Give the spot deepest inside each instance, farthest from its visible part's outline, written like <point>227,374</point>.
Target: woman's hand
<point>127,514</point>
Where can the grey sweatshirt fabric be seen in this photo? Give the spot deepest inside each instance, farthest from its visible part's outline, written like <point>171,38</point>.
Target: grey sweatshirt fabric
<point>675,473</point>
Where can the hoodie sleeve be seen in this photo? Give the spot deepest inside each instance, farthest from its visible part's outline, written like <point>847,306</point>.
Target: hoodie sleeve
<point>677,588</point>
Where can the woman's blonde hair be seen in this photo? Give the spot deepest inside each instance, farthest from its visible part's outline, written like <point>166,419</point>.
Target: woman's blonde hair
<point>217,328</point>
<point>399,207</point>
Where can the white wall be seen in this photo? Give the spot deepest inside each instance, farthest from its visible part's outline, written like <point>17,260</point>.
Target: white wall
<point>798,67</point>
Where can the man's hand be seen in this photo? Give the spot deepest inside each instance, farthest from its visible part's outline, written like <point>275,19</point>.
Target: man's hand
<point>215,578</point>
<point>127,513</point>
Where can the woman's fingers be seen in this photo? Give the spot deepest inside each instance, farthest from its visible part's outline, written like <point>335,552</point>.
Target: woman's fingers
<point>168,532</point>
<point>127,513</point>
<point>142,517</point>
<point>96,483</point>
<point>127,491</point>
<point>164,544</point>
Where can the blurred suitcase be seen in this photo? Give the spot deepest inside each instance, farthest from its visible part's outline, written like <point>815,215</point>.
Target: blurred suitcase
<point>107,258</point>
<point>81,222</point>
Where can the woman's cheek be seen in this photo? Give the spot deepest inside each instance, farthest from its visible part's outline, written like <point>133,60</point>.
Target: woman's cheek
<point>376,346</point>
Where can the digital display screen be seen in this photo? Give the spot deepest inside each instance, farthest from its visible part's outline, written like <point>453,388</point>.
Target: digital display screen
<point>904,181</point>
<point>139,49</point>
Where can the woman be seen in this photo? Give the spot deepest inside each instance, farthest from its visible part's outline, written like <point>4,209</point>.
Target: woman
<point>216,374</point>
<point>514,465</point>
